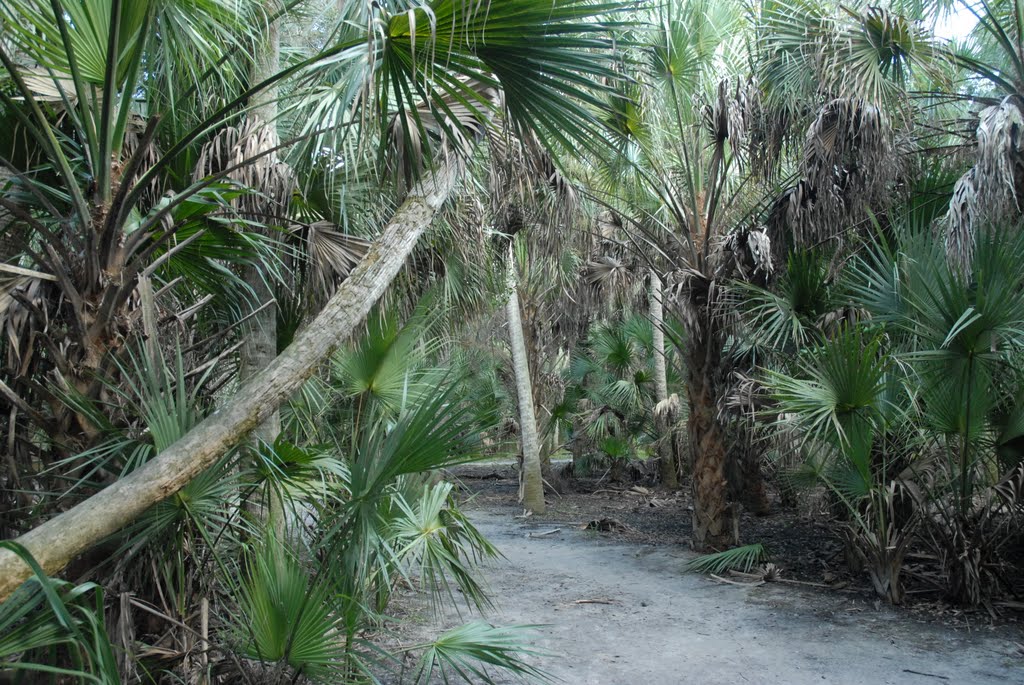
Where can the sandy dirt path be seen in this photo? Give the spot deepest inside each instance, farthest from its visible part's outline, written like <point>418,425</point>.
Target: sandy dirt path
<point>665,627</point>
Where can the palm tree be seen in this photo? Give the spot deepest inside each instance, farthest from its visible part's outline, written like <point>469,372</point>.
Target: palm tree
<point>705,187</point>
<point>988,191</point>
<point>612,388</point>
<point>663,410</point>
<point>417,73</point>
<point>532,491</point>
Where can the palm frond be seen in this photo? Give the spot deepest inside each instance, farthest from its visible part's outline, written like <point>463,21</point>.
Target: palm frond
<point>739,558</point>
<point>467,651</point>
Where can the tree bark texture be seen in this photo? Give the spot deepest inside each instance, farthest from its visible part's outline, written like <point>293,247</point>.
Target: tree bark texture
<point>259,342</point>
<point>67,535</point>
<point>533,483</point>
<point>711,521</point>
<point>666,453</point>
<point>259,345</point>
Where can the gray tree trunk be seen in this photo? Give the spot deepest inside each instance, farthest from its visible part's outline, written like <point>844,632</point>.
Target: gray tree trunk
<point>532,493</point>
<point>662,422</point>
<point>259,346</point>
<point>67,535</point>
<point>259,342</point>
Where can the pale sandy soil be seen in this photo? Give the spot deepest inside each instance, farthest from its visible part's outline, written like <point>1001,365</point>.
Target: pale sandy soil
<point>661,626</point>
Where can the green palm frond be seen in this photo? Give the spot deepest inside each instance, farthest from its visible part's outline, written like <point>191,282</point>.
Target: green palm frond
<point>787,316</point>
<point>46,613</point>
<point>435,539</point>
<point>839,398</point>
<point>383,365</point>
<point>463,654</point>
<point>807,49</point>
<point>284,616</point>
<point>739,558</point>
<point>310,472</point>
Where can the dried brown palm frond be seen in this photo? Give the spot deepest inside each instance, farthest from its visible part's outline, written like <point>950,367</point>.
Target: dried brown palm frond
<point>687,292</point>
<point>607,272</point>
<point>961,218</point>
<point>744,395</point>
<point>771,134</point>
<point>728,117</point>
<point>849,161</point>
<point>668,410</point>
<point>49,87</point>
<point>972,545</point>
<point>990,190</point>
<point>524,169</point>
<point>528,189</point>
<point>751,251</point>
<point>609,226</point>
<point>21,295</point>
<point>245,150</point>
<point>332,254</point>
<point>137,142</point>
<point>450,124</point>
<point>468,216</point>
<point>613,274</point>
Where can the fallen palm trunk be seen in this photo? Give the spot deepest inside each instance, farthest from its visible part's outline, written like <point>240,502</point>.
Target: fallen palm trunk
<point>62,538</point>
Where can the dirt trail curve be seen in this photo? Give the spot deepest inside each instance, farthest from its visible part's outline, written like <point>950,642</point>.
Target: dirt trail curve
<point>663,627</point>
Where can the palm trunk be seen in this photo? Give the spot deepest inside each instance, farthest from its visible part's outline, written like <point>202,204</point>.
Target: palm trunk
<point>259,344</point>
<point>533,484</point>
<point>666,458</point>
<point>531,340</point>
<point>63,537</point>
<point>711,523</point>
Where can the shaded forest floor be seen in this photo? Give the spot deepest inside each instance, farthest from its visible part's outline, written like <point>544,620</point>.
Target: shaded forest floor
<point>616,608</point>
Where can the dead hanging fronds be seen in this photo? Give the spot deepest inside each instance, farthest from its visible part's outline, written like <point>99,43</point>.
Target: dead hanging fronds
<point>525,174</point>
<point>961,218</point>
<point>613,276</point>
<point>139,142</point>
<point>849,163</point>
<point>729,116</point>
<point>468,217</point>
<point>23,293</point>
<point>249,152</point>
<point>771,133</point>
<point>751,250</point>
<point>693,297</point>
<point>452,124</point>
<point>332,254</point>
<point>744,395</point>
<point>990,190</point>
<point>668,410</point>
<point>606,272</point>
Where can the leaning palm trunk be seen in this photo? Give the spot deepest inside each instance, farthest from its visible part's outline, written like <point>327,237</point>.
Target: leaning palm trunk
<point>59,540</point>
<point>664,426</point>
<point>532,491</point>
<point>711,526</point>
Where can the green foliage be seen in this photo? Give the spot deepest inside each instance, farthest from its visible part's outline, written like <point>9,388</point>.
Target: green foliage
<point>789,315</point>
<point>738,558</point>
<point>839,396</point>
<point>284,615</point>
<point>464,653</point>
<point>45,617</point>
<point>611,387</point>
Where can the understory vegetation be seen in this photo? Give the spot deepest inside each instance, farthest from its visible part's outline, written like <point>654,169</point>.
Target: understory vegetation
<point>269,270</point>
